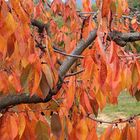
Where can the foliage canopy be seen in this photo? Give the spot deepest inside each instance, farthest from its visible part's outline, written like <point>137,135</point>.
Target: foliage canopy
<point>60,66</point>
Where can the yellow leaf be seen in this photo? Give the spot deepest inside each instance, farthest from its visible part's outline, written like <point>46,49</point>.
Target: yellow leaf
<point>9,26</point>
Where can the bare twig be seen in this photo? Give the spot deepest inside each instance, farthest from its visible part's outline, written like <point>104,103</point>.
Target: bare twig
<point>130,119</point>
<point>74,73</point>
<point>63,53</point>
<point>15,99</point>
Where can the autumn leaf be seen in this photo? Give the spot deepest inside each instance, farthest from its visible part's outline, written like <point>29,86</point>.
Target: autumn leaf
<point>41,131</point>
<point>44,86</point>
<point>25,77</point>
<point>81,130</point>
<point>103,72</point>
<point>3,44</point>
<point>9,128</point>
<point>137,129</point>
<point>22,124</point>
<point>15,81</point>
<point>71,92</point>
<point>10,45</point>
<point>92,134</point>
<point>105,7</point>
<point>56,126</point>
<point>87,102</point>
<point>37,78</point>
<point>9,26</point>
<point>101,99</point>
<point>107,133</point>
<point>135,75</point>
<point>48,74</point>
<point>86,5</point>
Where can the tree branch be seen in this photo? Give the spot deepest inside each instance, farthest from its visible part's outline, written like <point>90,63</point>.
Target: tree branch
<point>122,38</point>
<point>74,73</point>
<point>63,53</point>
<point>12,100</point>
<point>118,37</point>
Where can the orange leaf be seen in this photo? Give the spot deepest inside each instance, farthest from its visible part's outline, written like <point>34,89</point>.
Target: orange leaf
<point>101,99</point>
<point>32,58</point>
<point>29,133</point>
<point>9,26</point>
<point>15,81</point>
<point>21,125</point>
<point>81,130</point>
<point>3,46</point>
<point>126,133</point>
<point>137,129</point>
<point>135,75</point>
<point>37,78</point>
<point>115,134</point>
<point>48,73</point>
<point>103,72</point>
<point>92,135</point>
<point>105,7</point>
<point>113,52</point>
<point>8,129</point>
<point>14,127</point>
<point>70,93</point>
<point>19,10</point>
<point>87,103</point>
<point>86,5</point>
<point>106,135</point>
<point>10,45</point>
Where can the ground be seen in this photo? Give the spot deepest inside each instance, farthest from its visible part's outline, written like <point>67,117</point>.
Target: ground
<point>127,106</point>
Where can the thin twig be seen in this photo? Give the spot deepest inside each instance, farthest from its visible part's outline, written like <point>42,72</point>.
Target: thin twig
<point>130,119</point>
<point>129,17</point>
<point>70,55</point>
<point>74,73</point>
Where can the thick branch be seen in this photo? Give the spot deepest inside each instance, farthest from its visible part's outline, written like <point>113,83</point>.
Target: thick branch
<point>122,38</point>
<point>12,100</point>
<point>118,37</point>
<point>69,61</point>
